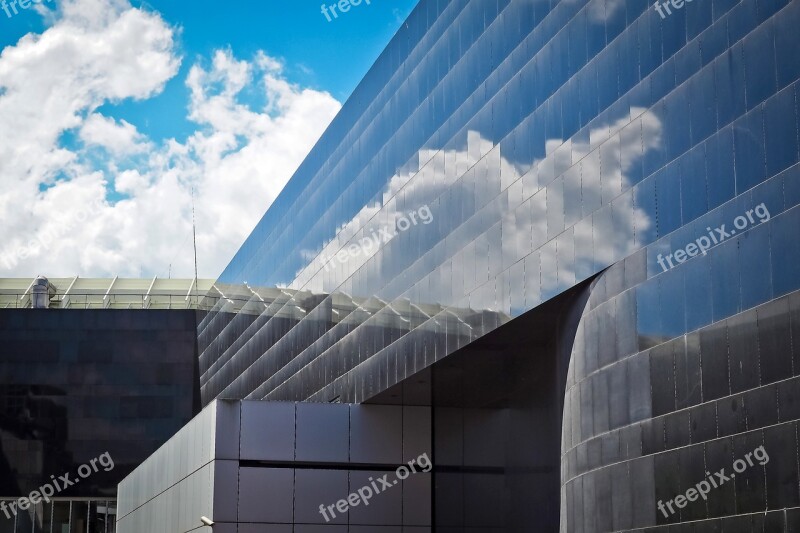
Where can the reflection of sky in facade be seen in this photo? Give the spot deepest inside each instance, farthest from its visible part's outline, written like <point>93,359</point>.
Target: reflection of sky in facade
<point>522,229</point>
<point>529,182</point>
<point>493,174</point>
<point>549,141</point>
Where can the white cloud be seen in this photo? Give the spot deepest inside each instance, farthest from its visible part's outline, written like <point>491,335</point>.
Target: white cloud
<point>118,138</point>
<point>237,160</point>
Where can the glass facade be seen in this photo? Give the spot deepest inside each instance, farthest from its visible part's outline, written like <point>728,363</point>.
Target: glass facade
<point>499,153</point>
<point>77,384</point>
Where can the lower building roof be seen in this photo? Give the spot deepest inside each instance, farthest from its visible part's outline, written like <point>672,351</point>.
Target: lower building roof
<point>108,293</point>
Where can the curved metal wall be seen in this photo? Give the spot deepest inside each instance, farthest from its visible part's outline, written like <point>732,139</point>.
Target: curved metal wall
<point>657,406</point>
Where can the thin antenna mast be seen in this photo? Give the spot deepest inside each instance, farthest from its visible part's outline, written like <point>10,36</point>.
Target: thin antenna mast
<point>194,240</point>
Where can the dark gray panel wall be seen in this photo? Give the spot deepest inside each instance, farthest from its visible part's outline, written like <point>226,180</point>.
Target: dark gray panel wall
<point>75,384</point>
<point>263,466</point>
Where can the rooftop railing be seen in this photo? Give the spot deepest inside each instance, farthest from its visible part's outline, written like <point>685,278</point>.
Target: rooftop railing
<point>87,293</point>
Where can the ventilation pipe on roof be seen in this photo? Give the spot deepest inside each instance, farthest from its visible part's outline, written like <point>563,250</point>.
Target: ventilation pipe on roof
<point>40,293</point>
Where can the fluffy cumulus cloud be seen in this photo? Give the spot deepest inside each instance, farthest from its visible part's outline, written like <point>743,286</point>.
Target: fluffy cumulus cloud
<point>118,138</point>
<point>112,201</point>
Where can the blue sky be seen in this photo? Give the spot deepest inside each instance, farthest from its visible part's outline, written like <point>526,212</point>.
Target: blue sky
<point>115,114</point>
<point>329,56</point>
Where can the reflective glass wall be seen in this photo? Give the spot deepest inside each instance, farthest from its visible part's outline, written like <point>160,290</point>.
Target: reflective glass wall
<point>497,153</point>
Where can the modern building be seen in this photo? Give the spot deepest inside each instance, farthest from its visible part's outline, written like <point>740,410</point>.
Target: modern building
<point>107,373</point>
<point>569,230</point>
